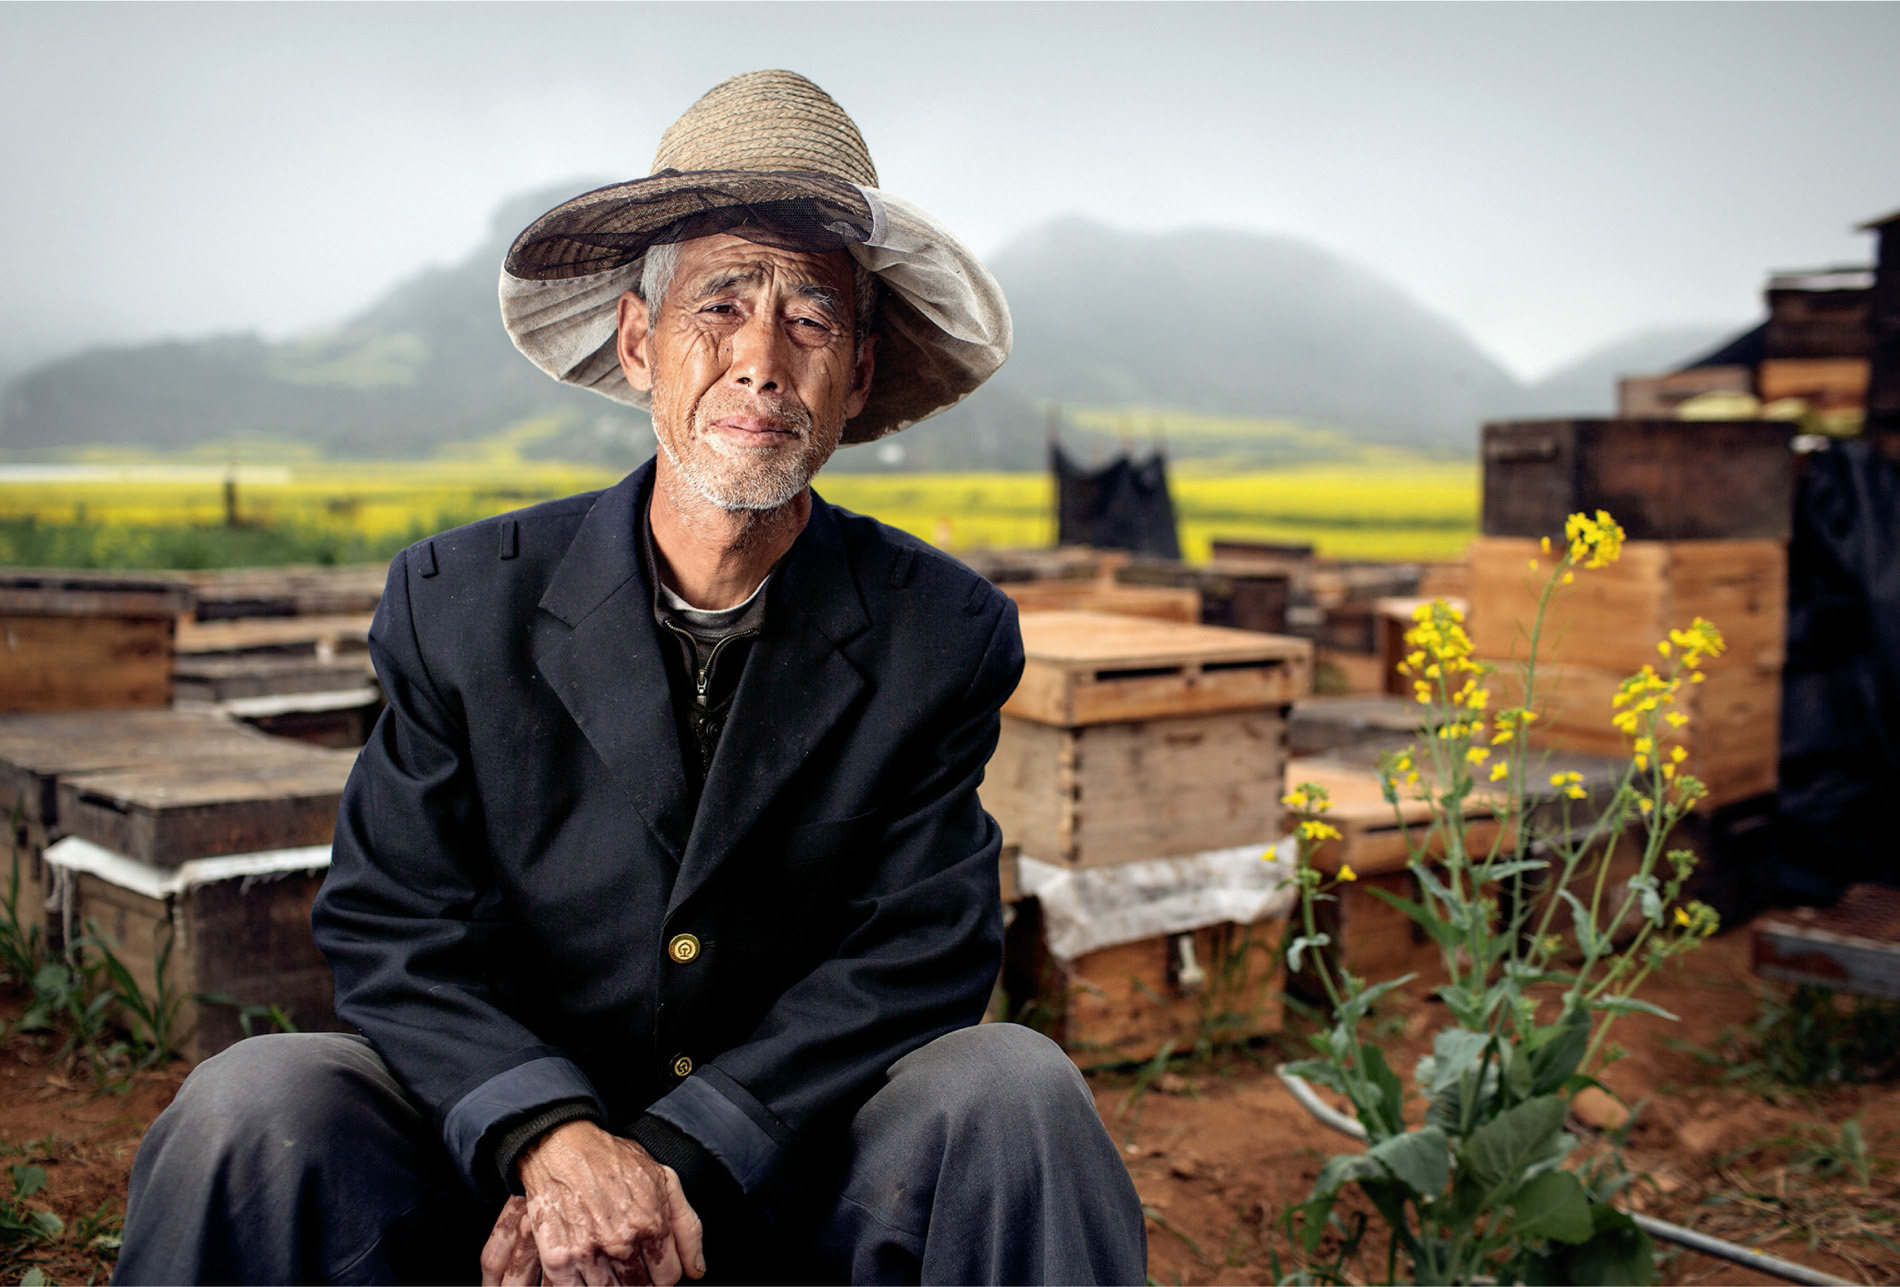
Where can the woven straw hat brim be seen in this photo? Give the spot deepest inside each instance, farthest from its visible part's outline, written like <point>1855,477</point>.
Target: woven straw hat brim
<point>943,325</point>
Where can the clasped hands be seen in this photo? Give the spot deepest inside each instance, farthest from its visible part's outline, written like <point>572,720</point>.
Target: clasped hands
<point>598,1209</point>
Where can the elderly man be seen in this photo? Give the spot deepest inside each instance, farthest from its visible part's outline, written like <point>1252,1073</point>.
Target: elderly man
<point>661,895</point>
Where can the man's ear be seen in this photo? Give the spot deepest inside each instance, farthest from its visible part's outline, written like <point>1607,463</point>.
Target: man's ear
<point>630,342</point>
<point>861,377</point>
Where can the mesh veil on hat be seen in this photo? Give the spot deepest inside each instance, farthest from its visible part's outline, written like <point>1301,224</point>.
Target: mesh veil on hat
<point>767,156</point>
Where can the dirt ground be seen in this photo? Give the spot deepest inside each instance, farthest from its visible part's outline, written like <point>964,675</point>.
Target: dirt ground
<point>1218,1152</point>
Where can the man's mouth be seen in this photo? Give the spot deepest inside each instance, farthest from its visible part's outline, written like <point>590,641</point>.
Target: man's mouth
<point>754,431</point>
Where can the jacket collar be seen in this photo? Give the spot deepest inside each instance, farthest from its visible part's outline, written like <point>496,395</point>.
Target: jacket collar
<point>608,671</point>
<point>797,685</point>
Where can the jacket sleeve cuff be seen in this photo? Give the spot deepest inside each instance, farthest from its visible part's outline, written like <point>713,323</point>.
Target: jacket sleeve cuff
<point>725,1120</point>
<point>510,1142</point>
<point>710,1189</point>
<point>505,1099</point>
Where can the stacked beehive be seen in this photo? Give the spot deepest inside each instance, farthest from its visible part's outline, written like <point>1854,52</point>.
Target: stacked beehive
<point>86,640</point>
<point>182,834</point>
<point>1706,507</point>
<point>1129,741</point>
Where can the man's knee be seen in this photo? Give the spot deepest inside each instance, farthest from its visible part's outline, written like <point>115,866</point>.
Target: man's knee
<point>284,1084</point>
<point>994,1070</point>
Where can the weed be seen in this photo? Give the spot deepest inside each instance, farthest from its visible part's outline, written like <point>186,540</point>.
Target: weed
<point>24,1228</point>
<point>1812,1037</point>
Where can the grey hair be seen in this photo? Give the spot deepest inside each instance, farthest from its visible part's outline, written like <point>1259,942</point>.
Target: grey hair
<point>663,261</point>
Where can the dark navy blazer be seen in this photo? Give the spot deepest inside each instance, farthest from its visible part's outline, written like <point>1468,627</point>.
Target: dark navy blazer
<point>518,842</point>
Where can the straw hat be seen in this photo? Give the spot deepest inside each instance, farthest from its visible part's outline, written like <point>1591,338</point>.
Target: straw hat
<point>767,156</point>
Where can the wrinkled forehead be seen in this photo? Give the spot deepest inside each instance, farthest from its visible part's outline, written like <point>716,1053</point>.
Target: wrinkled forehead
<point>739,262</point>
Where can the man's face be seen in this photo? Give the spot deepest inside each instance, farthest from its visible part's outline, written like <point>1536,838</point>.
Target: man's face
<point>753,366</point>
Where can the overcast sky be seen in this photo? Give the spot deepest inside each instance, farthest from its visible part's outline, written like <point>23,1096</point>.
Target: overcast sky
<point>1548,176</point>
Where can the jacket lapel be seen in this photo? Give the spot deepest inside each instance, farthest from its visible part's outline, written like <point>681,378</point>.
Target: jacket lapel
<point>606,667</point>
<point>796,686</point>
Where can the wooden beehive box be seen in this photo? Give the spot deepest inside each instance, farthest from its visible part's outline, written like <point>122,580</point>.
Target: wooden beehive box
<point>1121,1004</point>
<point>36,751</point>
<point>1235,594</point>
<point>1610,618</point>
<point>1663,480</point>
<point>1162,603</point>
<point>282,795</point>
<point>1605,626</point>
<point>1131,739</point>
<point>86,640</point>
<point>245,937</point>
<point>324,638</point>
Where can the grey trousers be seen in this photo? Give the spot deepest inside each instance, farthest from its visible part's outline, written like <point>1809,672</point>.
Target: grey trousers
<point>298,1158</point>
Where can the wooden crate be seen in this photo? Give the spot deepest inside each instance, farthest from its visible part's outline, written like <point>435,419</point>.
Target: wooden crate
<point>1610,618</point>
<point>1161,603</point>
<point>1733,735</point>
<point>1093,668</point>
<point>1373,838</point>
<point>224,679</point>
<point>1663,480</point>
<point>1238,595</point>
<point>282,795</point>
<point>247,938</point>
<point>1096,794</point>
<point>85,641</point>
<point>1122,1004</point>
<point>37,750</point>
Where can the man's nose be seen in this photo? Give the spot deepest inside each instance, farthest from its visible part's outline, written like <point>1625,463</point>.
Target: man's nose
<point>758,355</point>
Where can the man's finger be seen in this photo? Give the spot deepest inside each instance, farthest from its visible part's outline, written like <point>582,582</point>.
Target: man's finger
<point>501,1254</point>
<point>662,1263</point>
<point>689,1235</point>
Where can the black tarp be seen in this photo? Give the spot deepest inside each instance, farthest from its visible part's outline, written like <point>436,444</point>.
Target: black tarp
<point>1122,506</point>
<point>1838,816</point>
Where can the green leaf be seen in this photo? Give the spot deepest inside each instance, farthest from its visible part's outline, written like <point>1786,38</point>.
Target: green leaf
<point>1554,1207</point>
<point>1631,1005</point>
<point>1617,1251</point>
<point>1649,895</point>
<point>27,1180</point>
<point>34,1277</point>
<point>1389,1114</point>
<point>1299,945</point>
<point>1583,924</point>
<point>1556,1058</point>
<point>1510,1142</point>
<point>1442,932</point>
<point>1421,1160</point>
<point>1512,868</point>
<point>47,1224</point>
<point>1342,1169</point>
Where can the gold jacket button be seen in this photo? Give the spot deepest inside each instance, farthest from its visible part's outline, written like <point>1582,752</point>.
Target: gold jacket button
<point>684,949</point>
<point>682,1066</point>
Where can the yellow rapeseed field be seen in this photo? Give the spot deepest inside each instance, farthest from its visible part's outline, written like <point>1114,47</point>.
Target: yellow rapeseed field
<point>1388,508</point>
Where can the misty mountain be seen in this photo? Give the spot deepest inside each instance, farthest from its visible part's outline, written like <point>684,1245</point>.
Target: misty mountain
<point>1210,322</point>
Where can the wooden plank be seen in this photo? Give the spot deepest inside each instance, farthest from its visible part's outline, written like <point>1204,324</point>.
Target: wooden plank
<point>61,592</point>
<point>1091,667</point>
<point>1162,603</point>
<point>223,679</point>
<point>168,814</point>
<point>1612,617</point>
<point>1112,793</point>
<point>1661,479</point>
<point>282,635</point>
<point>286,591</point>
<point>1237,595</point>
<point>57,663</point>
<point>1829,383</point>
<point>36,750</point>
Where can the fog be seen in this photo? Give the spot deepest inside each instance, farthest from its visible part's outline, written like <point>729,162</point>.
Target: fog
<point>1548,176</point>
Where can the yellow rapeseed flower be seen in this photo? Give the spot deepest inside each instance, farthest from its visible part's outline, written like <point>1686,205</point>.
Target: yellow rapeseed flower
<point>1477,755</point>
<point>1313,829</point>
<point>1500,771</point>
<point>1346,872</point>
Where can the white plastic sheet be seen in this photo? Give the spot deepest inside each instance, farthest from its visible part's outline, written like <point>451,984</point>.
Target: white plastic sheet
<point>1095,907</point>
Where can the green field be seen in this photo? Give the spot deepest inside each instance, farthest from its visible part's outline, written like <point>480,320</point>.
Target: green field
<point>145,515</point>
